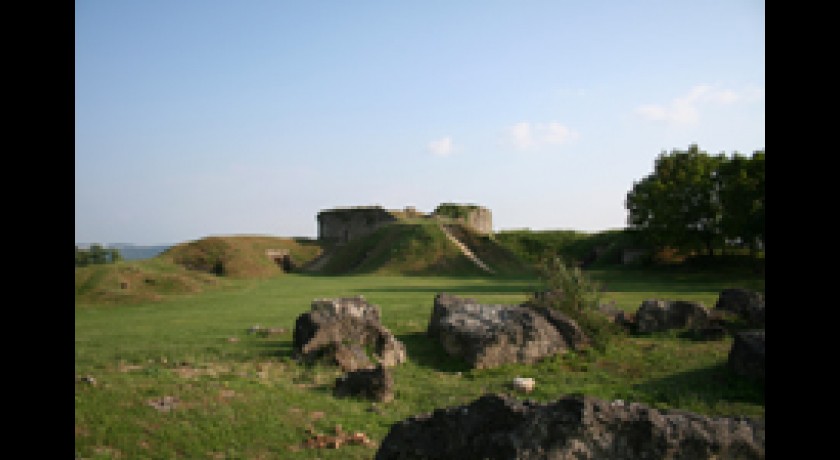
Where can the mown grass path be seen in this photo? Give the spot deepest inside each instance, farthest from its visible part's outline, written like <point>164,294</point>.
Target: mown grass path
<point>183,378</point>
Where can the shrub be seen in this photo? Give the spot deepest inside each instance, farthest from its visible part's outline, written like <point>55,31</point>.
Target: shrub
<point>569,290</point>
<point>575,291</point>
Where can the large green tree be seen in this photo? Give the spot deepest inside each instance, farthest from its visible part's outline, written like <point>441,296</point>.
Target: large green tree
<point>695,201</point>
<point>741,193</point>
<point>676,205</point>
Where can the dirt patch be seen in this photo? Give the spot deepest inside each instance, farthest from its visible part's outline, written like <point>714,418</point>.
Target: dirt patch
<point>212,370</point>
<point>164,404</point>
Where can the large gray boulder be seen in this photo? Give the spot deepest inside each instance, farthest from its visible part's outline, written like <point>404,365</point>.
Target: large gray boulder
<point>575,338</point>
<point>661,315</point>
<point>746,357</point>
<point>744,303</point>
<point>340,331</point>
<point>489,335</point>
<point>573,427</point>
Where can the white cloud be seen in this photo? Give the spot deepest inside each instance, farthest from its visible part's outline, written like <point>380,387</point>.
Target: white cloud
<point>521,135</point>
<point>526,135</point>
<point>556,134</point>
<point>685,109</point>
<point>441,147</point>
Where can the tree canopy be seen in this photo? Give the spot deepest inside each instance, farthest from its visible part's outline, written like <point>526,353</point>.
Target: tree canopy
<point>96,254</point>
<point>694,201</point>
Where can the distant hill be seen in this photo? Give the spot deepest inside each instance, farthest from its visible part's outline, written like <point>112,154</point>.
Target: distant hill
<point>130,251</point>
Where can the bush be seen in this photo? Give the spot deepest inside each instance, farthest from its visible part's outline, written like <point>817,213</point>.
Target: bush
<point>569,290</point>
<point>576,292</point>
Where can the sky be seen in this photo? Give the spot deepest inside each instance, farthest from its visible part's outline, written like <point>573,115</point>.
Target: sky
<point>197,118</point>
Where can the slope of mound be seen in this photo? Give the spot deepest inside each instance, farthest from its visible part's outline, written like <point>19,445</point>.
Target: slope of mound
<point>495,255</point>
<point>413,247</point>
<point>138,281</point>
<point>243,256</point>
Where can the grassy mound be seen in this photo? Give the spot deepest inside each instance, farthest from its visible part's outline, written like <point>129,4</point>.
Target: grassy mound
<point>138,281</point>
<point>418,247</point>
<point>189,268</point>
<point>501,259</point>
<point>240,256</point>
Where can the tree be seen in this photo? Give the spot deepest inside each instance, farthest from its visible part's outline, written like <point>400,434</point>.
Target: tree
<point>81,257</point>
<point>677,205</point>
<point>741,193</point>
<point>96,254</point>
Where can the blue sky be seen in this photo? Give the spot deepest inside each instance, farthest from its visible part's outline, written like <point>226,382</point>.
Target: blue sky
<point>202,117</point>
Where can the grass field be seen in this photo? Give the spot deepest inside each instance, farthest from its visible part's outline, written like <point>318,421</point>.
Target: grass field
<point>181,377</point>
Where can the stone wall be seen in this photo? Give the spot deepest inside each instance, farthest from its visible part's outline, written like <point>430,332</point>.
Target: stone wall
<point>476,217</point>
<point>344,224</point>
<point>480,220</point>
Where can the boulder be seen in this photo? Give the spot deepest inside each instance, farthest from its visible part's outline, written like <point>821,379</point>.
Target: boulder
<point>573,427</point>
<point>746,304</point>
<point>660,315</point>
<point>376,384</point>
<point>575,338</point>
<point>617,316</point>
<point>487,335</point>
<point>746,356</point>
<point>341,330</point>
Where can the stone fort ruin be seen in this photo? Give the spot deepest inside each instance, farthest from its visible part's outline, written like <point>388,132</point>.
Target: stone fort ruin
<point>343,224</point>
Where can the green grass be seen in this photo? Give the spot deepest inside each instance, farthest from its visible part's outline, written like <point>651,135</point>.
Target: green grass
<point>243,396</point>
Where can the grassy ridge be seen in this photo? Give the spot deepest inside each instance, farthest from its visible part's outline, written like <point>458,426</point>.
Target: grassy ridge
<point>239,395</point>
<point>410,247</point>
<point>500,258</point>
<point>240,256</point>
<point>188,269</point>
<point>601,248</point>
<point>139,281</point>
<point>415,247</point>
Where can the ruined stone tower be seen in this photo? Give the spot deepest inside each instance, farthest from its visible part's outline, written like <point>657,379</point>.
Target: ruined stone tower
<point>343,224</point>
<point>473,216</point>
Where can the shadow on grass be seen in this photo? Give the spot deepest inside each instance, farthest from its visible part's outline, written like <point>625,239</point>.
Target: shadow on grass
<point>274,348</point>
<point>428,352</point>
<point>523,287</point>
<point>674,281</point>
<point>420,348</point>
<point>708,385</point>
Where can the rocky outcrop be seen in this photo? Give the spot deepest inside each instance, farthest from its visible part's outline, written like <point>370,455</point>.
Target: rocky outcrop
<point>488,335</point>
<point>376,384</point>
<point>661,315</point>
<point>746,357</point>
<point>573,427</point>
<point>341,330</point>
<point>746,304</point>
